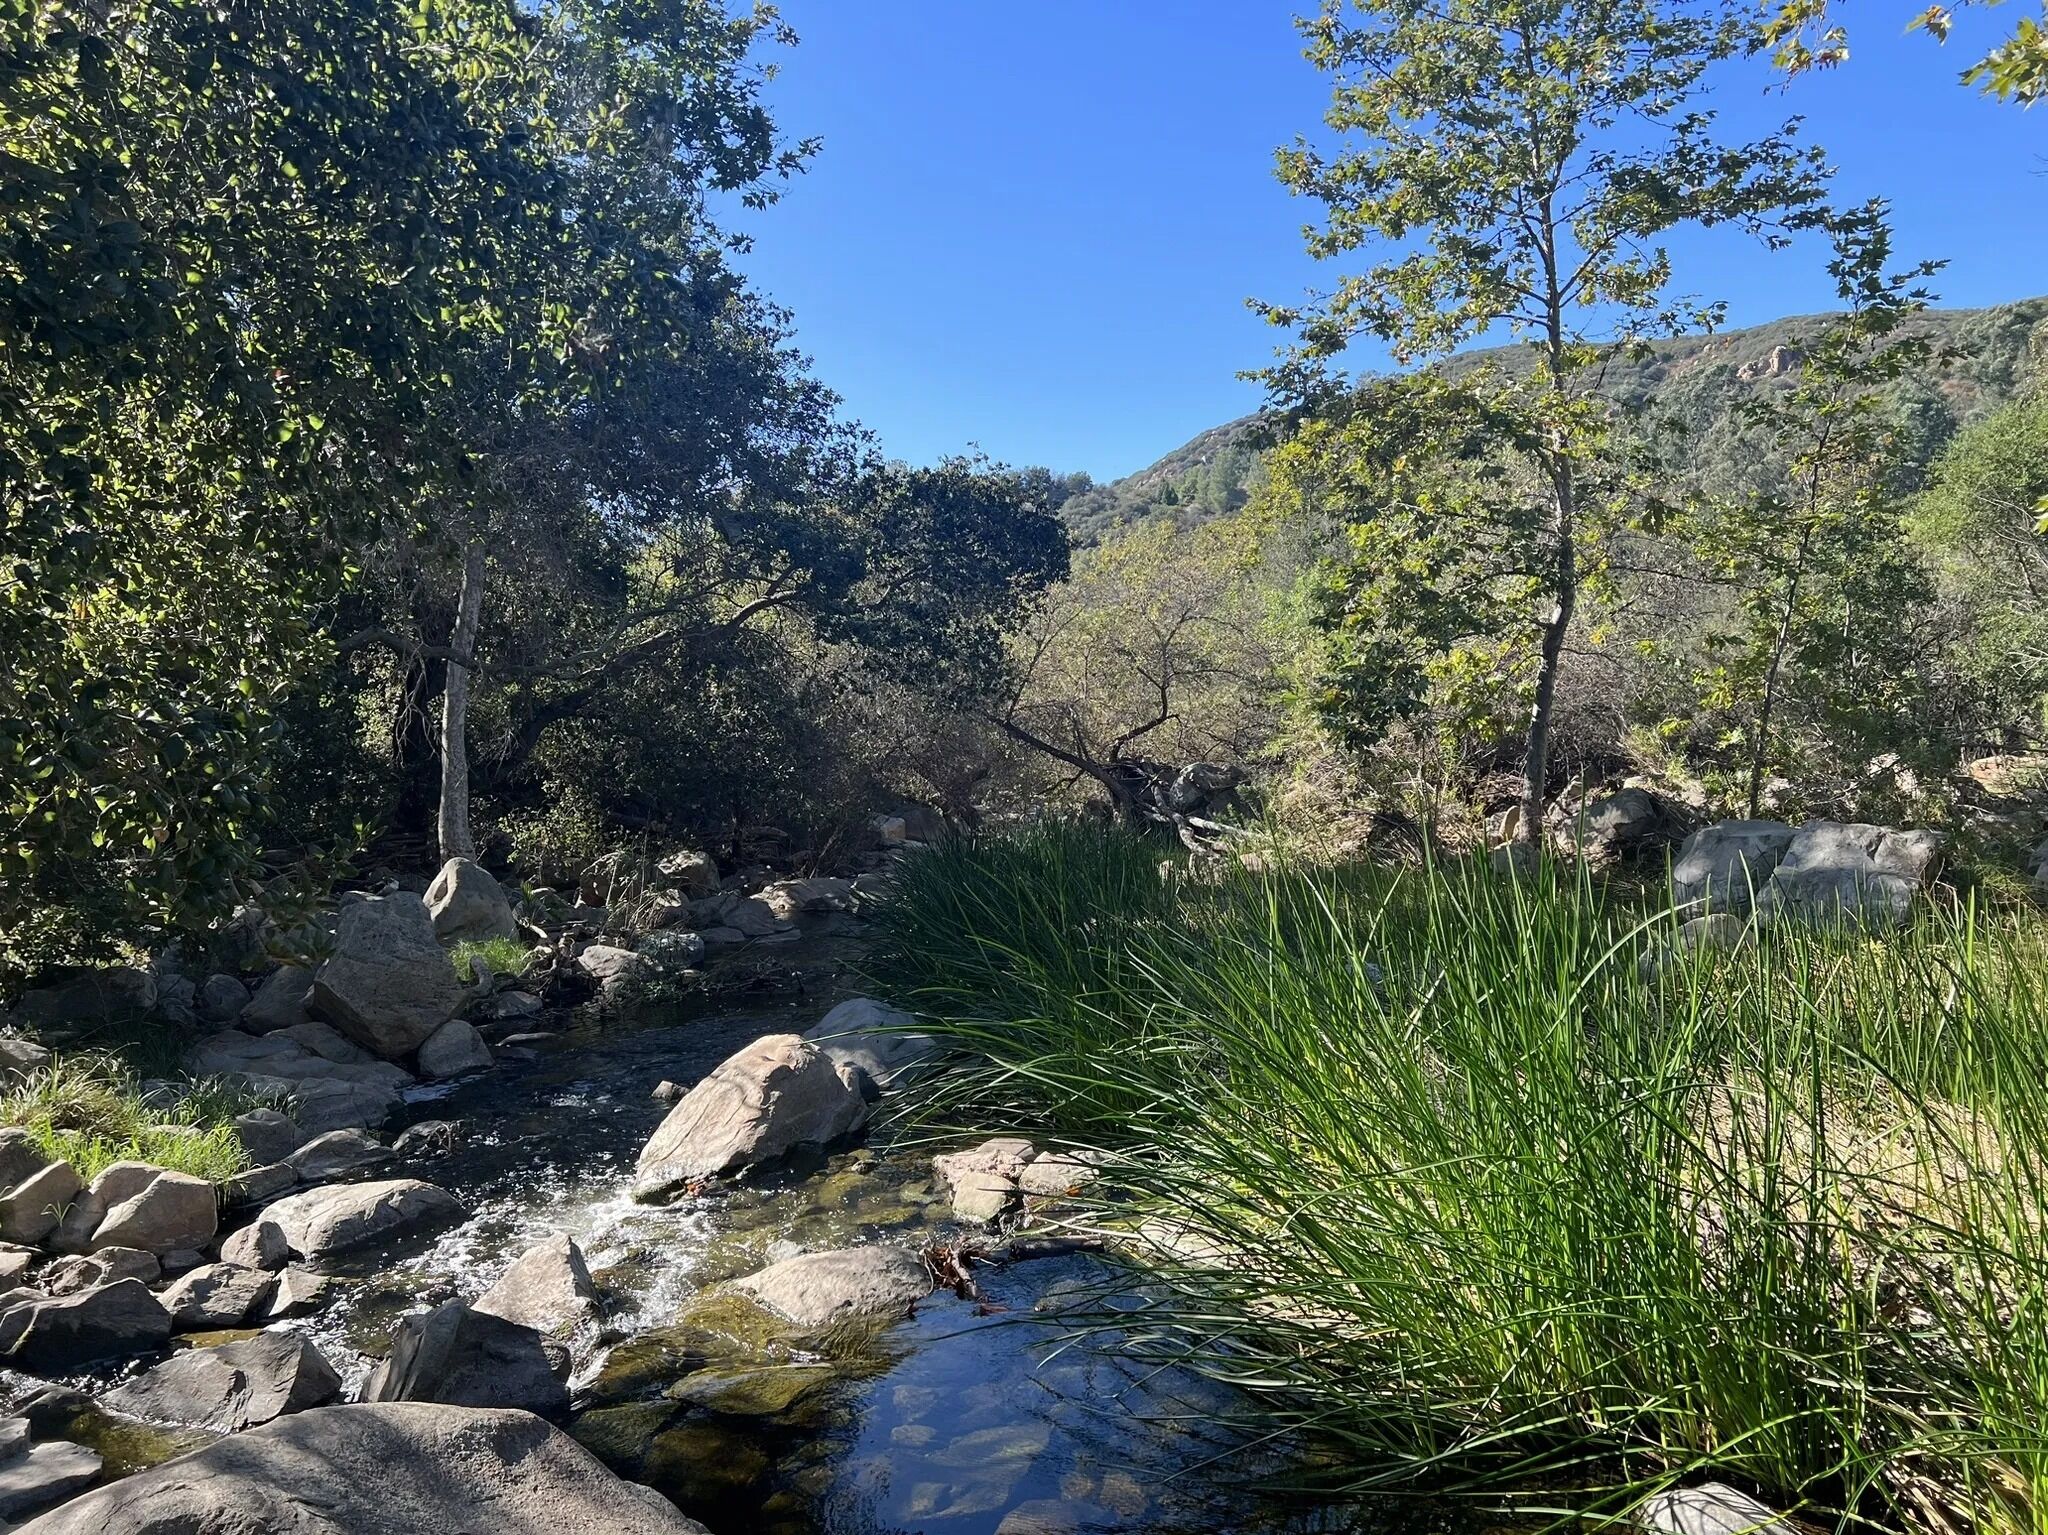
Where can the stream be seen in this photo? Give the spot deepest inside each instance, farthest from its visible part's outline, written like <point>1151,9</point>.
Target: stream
<point>962,1419</point>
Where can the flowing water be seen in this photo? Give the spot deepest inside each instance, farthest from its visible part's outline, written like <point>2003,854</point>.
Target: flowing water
<point>962,1419</point>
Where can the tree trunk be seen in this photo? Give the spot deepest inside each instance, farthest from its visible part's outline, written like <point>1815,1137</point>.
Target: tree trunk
<point>457,840</point>
<point>1536,751</point>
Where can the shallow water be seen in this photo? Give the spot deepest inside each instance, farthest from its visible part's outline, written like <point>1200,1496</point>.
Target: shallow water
<point>962,1419</point>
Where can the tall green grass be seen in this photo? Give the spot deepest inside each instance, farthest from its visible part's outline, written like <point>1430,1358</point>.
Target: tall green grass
<point>1429,1163</point>
<point>90,1111</point>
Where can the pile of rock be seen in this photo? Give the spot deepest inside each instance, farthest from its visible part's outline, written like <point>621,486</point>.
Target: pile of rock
<point>994,1179</point>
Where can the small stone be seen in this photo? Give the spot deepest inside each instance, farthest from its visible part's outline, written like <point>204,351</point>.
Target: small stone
<point>547,1288</point>
<point>266,1135</point>
<point>454,1050</point>
<point>667,1092</point>
<point>259,1245</point>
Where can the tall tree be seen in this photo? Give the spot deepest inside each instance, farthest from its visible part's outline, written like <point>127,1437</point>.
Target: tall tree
<point>1824,576</point>
<point>1513,165</point>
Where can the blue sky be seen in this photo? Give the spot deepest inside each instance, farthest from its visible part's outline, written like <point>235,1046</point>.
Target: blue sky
<point>1033,227</point>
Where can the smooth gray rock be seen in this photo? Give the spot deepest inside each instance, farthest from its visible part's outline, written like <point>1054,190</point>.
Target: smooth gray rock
<point>454,1050</point>
<point>221,998</point>
<point>761,1103</point>
<point>21,1157</point>
<point>20,1055</point>
<point>389,984</point>
<point>259,1245</point>
<point>1713,1508</point>
<point>463,1357</point>
<point>323,1104</point>
<point>327,1042</point>
<point>814,1289</point>
<point>611,967</point>
<point>547,1288</point>
<point>1722,867</point>
<point>322,1222</point>
<point>50,1337</point>
<point>232,1387</point>
<point>299,1292</point>
<point>385,1469</point>
<point>881,1040</point>
<point>45,1474</point>
<point>266,1135</point>
<point>173,1210</point>
<point>467,903</point>
<point>983,1180</point>
<point>280,1000</point>
<point>1837,871</point>
<point>338,1155</point>
<point>70,1275</point>
<point>30,1210</point>
<point>258,1184</point>
<point>217,1296</point>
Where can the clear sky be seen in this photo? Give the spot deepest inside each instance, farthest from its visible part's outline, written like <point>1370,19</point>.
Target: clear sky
<point>1033,226</point>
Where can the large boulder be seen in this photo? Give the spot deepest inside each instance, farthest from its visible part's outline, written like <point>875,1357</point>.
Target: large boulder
<point>1724,866</point>
<point>547,1288</point>
<point>280,1000</point>
<point>320,1104</point>
<point>814,1289</point>
<point>171,1212</point>
<point>35,1476</point>
<point>232,1387</point>
<point>694,873</point>
<point>21,1157</point>
<point>51,1336</point>
<point>31,1210</point>
<point>469,1358</point>
<point>389,984</point>
<point>882,1041</point>
<point>1845,872</point>
<point>467,903</point>
<point>322,1222</point>
<point>217,1295</point>
<point>1616,826</point>
<point>760,1103</point>
<point>383,1469</point>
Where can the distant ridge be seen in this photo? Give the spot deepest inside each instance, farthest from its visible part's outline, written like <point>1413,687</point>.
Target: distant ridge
<point>1695,378</point>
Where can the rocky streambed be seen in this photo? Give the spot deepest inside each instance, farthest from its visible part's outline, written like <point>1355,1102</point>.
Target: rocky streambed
<point>843,1390</point>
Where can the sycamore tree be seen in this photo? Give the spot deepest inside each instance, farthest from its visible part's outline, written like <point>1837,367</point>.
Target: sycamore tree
<point>1825,580</point>
<point>1805,35</point>
<point>1508,168</point>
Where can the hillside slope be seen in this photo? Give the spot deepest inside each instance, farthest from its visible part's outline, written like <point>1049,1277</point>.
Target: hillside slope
<point>1694,379</point>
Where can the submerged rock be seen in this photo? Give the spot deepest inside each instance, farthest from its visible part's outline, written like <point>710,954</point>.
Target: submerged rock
<point>232,1387</point>
<point>383,1469</point>
<point>818,1288</point>
<point>761,1103</point>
